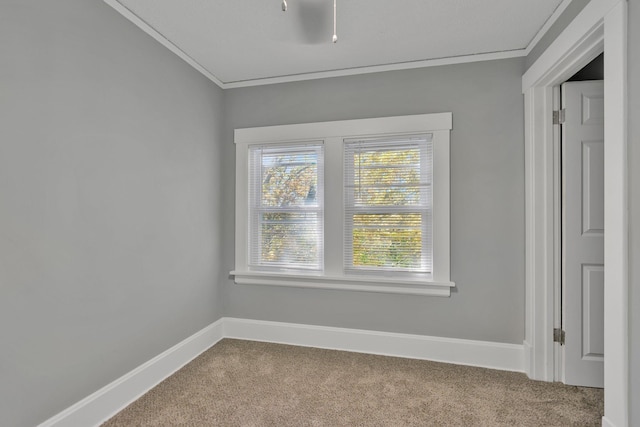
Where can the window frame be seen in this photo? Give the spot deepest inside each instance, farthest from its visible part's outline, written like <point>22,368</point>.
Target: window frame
<point>424,208</point>
<point>333,134</point>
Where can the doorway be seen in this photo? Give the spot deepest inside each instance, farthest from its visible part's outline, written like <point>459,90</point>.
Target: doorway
<point>601,26</point>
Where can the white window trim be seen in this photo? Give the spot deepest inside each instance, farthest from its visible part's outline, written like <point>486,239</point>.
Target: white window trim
<point>333,134</point>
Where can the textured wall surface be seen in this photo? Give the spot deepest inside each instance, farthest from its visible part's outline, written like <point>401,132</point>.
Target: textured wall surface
<point>487,198</point>
<point>109,201</point>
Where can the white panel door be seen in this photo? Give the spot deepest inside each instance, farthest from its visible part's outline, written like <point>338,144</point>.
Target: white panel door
<point>583,232</point>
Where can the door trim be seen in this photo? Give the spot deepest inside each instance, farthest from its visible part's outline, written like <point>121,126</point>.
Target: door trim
<point>600,26</point>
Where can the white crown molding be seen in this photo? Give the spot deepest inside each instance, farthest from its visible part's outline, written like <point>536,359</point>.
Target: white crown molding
<point>379,68</point>
<point>543,30</point>
<point>162,39</point>
<point>109,400</point>
<point>128,14</point>
<point>585,29</point>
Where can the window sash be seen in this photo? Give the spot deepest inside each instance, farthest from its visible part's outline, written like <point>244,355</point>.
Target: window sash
<point>380,220</point>
<point>286,231</point>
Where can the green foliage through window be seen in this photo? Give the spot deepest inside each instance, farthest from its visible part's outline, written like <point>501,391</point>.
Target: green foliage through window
<point>287,209</point>
<point>387,240</point>
<point>387,200</point>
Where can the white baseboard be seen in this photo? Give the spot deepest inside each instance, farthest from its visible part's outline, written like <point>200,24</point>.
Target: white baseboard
<point>109,400</point>
<point>98,407</point>
<point>508,357</point>
<point>607,423</point>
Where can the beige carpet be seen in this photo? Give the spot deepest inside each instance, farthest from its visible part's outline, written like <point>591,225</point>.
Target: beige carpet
<point>244,383</point>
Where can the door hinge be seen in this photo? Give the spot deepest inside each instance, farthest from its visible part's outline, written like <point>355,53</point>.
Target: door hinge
<point>558,336</point>
<point>558,117</point>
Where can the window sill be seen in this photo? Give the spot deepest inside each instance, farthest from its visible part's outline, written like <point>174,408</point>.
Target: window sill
<point>345,283</point>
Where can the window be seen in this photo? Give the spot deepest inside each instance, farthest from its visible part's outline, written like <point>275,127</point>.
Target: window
<point>354,205</point>
<point>387,198</point>
<point>285,207</point>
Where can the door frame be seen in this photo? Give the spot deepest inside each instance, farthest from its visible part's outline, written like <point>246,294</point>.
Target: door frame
<point>601,26</point>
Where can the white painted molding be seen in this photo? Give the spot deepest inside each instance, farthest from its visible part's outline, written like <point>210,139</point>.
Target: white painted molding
<point>435,62</point>
<point>585,30</point>
<point>543,30</point>
<point>112,398</point>
<point>616,247</point>
<point>162,39</point>
<point>415,123</point>
<point>527,358</point>
<point>109,400</point>
<point>507,357</point>
<point>600,26</point>
<point>332,134</point>
<point>607,423</point>
<point>540,257</point>
<point>345,283</point>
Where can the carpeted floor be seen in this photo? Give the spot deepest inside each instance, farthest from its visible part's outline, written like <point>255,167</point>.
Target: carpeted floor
<point>245,383</point>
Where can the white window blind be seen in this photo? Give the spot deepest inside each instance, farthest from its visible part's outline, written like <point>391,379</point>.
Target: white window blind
<point>286,212</point>
<point>388,204</point>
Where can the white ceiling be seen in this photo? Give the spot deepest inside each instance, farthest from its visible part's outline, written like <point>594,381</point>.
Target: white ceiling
<point>248,42</point>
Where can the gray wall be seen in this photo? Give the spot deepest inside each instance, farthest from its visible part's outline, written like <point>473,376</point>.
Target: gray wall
<point>109,201</point>
<point>554,31</point>
<point>487,198</point>
<point>633,74</point>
